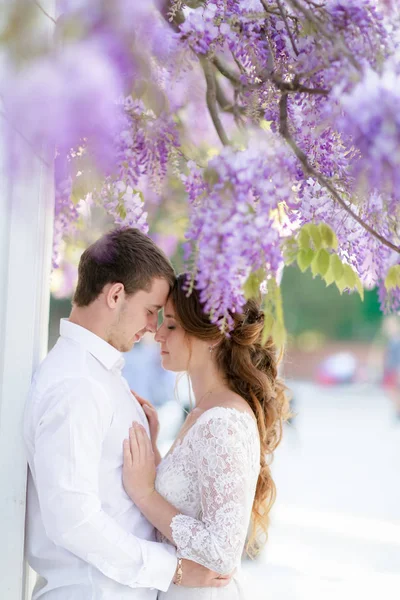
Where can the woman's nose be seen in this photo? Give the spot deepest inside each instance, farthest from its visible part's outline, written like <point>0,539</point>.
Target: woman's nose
<point>159,337</point>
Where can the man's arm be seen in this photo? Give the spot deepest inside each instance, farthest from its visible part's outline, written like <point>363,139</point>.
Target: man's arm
<point>67,455</point>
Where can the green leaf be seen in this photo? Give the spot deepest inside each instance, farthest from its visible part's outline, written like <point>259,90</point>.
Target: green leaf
<point>304,239</point>
<point>289,250</point>
<point>340,284</point>
<point>289,256</point>
<point>279,334</point>
<point>392,279</point>
<point>348,279</point>
<point>328,236</point>
<point>320,264</point>
<point>252,286</point>
<point>329,277</point>
<point>268,325</point>
<point>304,258</point>
<point>337,267</point>
<point>315,235</point>
<point>274,324</point>
<point>279,304</point>
<point>359,287</point>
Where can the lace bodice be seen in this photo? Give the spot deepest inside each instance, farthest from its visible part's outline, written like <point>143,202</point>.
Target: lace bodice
<point>210,477</point>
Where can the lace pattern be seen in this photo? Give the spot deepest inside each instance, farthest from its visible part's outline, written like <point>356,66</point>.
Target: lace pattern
<point>211,478</point>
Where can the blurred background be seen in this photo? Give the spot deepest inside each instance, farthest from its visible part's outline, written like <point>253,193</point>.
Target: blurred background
<point>335,529</point>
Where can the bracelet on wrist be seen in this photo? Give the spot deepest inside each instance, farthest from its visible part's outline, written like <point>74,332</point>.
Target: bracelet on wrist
<point>179,573</point>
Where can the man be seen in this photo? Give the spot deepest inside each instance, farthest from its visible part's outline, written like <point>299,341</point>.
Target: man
<point>85,538</point>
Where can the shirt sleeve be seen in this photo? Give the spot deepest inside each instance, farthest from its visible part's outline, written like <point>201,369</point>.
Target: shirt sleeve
<point>226,465</point>
<point>68,445</point>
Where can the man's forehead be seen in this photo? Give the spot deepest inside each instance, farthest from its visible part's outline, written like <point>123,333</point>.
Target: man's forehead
<point>159,291</point>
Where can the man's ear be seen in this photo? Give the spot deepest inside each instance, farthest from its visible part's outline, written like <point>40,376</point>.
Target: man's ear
<point>114,294</point>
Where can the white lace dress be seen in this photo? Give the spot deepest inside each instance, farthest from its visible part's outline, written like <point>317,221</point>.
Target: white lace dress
<point>210,477</point>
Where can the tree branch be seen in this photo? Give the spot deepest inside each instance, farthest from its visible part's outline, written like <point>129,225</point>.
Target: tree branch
<point>226,71</point>
<point>211,98</point>
<point>289,31</point>
<point>319,25</point>
<point>40,7</point>
<point>309,169</point>
<point>290,87</point>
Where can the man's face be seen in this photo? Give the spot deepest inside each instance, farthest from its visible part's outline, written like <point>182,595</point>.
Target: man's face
<point>138,313</point>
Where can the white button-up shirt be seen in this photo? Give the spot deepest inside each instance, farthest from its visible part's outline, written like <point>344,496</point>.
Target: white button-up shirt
<point>85,537</point>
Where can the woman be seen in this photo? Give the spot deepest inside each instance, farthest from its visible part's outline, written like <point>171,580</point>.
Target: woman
<point>216,477</point>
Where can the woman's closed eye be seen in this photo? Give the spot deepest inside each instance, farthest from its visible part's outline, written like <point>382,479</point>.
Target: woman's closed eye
<point>171,327</point>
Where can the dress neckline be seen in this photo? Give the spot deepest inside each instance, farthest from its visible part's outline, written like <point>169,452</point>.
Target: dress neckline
<point>178,442</point>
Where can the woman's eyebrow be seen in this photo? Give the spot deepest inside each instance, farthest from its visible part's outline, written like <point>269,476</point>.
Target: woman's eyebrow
<point>169,316</point>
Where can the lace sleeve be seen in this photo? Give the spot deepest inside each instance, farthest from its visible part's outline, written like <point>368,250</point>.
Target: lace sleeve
<point>225,447</point>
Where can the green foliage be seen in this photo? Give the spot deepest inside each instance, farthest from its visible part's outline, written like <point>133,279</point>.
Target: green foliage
<point>329,239</point>
<point>392,279</point>
<point>304,258</point>
<point>252,286</point>
<point>315,246</point>
<point>320,263</point>
<point>309,305</point>
<point>314,250</point>
<point>274,324</point>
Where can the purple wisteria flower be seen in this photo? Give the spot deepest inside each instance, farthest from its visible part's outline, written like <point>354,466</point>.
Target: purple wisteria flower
<point>125,205</point>
<point>67,99</point>
<point>199,30</point>
<point>233,221</point>
<point>292,105</point>
<point>371,119</point>
<point>66,213</point>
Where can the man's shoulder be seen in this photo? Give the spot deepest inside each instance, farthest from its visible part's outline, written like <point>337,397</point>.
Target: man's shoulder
<point>65,360</point>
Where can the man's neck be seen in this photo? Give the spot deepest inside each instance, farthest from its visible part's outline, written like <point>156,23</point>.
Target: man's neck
<point>89,318</point>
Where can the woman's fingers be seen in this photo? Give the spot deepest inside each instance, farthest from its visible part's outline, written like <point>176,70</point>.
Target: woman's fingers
<point>143,442</point>
<point>142,401</point>
<point>133,442</point>
<point>127,454</point>
<point>150,411</point>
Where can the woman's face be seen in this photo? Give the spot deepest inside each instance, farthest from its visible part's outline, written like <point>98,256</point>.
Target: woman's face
<point>177,349</point>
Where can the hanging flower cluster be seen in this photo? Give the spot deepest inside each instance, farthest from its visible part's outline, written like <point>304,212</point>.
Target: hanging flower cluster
<point>289,106</point>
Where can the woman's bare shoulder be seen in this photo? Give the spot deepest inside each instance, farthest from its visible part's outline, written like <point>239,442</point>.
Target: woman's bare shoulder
<point>228,399</point>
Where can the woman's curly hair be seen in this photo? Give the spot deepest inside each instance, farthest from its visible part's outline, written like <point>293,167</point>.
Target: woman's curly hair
<point>250,369</point>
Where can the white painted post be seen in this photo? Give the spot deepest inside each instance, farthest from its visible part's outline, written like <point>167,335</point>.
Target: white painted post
<point>26,229</point>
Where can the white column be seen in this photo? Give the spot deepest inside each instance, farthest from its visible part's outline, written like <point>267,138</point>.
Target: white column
<point>26,217</point>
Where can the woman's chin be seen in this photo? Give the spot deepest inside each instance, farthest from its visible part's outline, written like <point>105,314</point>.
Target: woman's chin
<point>167,363</point>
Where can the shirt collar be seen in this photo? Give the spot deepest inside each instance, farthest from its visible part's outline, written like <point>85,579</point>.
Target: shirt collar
<point>110,357</point>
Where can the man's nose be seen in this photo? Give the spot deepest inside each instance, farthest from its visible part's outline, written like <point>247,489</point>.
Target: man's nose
<point>152,323</point>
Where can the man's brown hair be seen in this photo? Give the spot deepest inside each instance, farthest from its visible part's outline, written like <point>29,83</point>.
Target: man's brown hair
<point>123,255</point>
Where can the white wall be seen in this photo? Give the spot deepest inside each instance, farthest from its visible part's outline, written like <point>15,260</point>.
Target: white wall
<point>26,217</point>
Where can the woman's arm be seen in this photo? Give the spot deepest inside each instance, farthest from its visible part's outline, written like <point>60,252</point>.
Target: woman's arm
<point>226,482</point>
<point>139,474</point>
